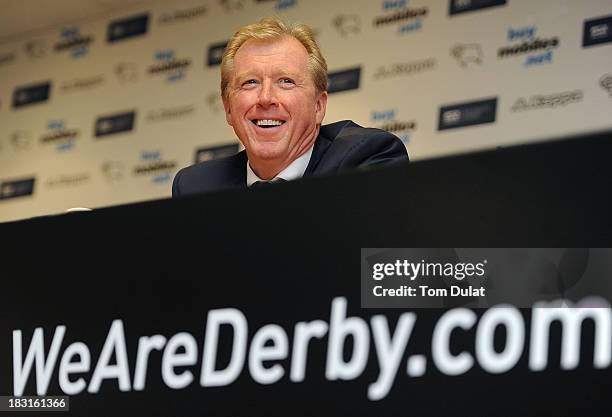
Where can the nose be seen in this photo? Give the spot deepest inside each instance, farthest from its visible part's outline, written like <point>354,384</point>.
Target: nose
<point>267,97</point>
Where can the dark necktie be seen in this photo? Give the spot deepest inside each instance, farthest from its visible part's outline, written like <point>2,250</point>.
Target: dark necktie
<point>263,184</point>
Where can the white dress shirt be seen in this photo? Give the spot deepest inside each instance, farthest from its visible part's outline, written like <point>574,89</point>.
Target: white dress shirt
<point>294,171</point>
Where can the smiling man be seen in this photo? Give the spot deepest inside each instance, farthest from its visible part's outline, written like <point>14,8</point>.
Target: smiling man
<point>274,91</point>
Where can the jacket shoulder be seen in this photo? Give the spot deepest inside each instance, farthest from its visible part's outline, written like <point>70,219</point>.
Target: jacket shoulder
<point>353,145</point>
<point>210,175</point>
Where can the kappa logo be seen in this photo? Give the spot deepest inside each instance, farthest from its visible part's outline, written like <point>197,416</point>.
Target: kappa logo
<point>178,16</point>
<point>85,83</point>
<point>347,24</point>
<point>405,68</point>
<point>68,180</point>
<point>467,54</point>
<point>551,101</point>
<point>170,113</point>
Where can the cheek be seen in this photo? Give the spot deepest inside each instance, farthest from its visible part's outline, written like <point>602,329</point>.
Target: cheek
<point>241,104</point>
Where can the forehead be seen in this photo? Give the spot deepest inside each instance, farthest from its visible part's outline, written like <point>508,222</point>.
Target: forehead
<point>283,52</point>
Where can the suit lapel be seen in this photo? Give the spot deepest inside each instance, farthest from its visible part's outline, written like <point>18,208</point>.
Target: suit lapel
<point>237,176</point>
<point>322,144</point>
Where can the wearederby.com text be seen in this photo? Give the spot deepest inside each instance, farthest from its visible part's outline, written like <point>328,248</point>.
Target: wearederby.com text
<point>266,354</point>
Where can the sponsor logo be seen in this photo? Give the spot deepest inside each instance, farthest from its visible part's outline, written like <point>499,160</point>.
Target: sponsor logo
<point>285,4</point>
<point>71,40</point>
<point>550,101</point>
<point>113,170</point>
<point>85,83</point>
<point>410,20</point>
<point>467,114</point>
<point>231,5</point>
<point>21,140</point>
<point>119,30</point>
<point>68,180</point>
<point>58,135</point>
<point>167,63</point>
<point>7,58</point>
<point>116,123</point>
<point>463,6</point>
<point>213,101</point>
<point>347,24</point>
<point>216,152</point>
<point>405,68</point>
<point>31,94</point>
<point>35,48</point>
<point>169,113</point>
<point>344,80</point>
<point>538,50</point>
<point>597,31</point>
<point>126,72</point>
<point>387,120</point>
<point>279,4</point>
<point>467,54</point>
<point>215,53</point>
<point>179,16</point>
<point>16,188</point>
<point>605,82</point>
<point>155,167</point>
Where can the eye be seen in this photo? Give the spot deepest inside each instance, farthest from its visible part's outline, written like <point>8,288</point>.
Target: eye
<point>249,82</point>
<point>286,81</point>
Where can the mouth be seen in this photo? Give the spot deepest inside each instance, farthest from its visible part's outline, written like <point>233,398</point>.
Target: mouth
<point>268,123</point>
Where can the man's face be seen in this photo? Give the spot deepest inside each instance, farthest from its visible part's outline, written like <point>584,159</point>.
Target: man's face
<point>272,103</point>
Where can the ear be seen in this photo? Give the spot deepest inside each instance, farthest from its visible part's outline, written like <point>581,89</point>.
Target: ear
<point>320,107</point>
<point>226,106</point>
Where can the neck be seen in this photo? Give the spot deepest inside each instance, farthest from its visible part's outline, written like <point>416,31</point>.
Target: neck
<point>266,170</point>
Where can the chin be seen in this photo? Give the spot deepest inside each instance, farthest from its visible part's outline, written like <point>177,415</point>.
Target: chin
<point>268,151</point>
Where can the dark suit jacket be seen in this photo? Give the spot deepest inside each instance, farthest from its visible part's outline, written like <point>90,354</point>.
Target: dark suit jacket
<point>340,146</point>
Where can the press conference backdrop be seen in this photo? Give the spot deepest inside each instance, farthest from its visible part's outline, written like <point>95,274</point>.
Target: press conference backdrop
<point>105,111</point>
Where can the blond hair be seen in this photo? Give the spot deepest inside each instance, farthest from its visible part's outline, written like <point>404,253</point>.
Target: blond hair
<point>272,28</point>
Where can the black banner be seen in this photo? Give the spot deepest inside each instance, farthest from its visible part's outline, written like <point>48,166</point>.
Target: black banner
<point>31,94</point>
<point>122,29</point>
<point>247,302</point>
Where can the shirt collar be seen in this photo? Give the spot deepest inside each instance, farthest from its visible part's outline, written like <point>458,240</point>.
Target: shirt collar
<point>294,171</point>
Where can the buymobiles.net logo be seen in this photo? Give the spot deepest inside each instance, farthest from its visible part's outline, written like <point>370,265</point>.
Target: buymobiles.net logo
<point>525,41</point>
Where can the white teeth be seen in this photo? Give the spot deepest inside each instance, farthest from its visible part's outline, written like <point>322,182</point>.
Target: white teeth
<point>268,122</point>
